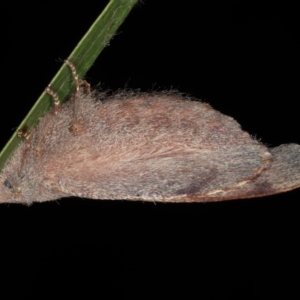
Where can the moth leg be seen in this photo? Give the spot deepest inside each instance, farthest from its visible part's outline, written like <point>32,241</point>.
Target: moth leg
<point>77,127</point>
<point>78,82</point>
<point>55,97</point>
<point>24,132</point>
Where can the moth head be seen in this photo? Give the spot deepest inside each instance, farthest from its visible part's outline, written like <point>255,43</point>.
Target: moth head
<point>20,181</point>
<point>12,179</point>
<point>10,188</point>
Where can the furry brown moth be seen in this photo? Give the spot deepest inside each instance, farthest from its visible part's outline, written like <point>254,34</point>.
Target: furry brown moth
<point>149,147</point>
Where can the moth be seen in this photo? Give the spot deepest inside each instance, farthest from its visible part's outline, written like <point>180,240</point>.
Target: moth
<point>150,147</point>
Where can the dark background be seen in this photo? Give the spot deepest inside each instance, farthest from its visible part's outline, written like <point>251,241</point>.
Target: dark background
<point>242,57</point>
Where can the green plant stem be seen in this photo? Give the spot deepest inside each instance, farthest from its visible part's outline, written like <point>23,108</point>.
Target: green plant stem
<point>83,56</point>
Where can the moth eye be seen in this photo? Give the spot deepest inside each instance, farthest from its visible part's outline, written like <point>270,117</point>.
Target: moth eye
<point>8,184</point>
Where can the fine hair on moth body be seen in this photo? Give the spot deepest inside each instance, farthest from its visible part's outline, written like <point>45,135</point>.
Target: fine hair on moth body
<point>142,146</point>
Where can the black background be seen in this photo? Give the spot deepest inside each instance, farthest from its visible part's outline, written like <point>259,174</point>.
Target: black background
<point>243,58</point>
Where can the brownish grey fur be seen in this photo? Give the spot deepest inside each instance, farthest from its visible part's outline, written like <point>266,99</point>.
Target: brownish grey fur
<point>158,147</point>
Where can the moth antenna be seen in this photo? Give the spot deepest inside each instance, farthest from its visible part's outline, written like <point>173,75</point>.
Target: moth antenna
<point>55,97</point>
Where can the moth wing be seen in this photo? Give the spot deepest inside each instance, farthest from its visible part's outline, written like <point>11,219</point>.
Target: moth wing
<point>186,175</point>
<point>161,149</point>
<point>282,175</point>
